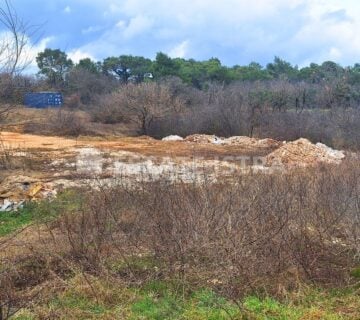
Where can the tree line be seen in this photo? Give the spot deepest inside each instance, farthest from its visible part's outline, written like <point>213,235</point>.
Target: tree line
<point>178,96</point>
<point>89,79</point>
<point>55,65</point>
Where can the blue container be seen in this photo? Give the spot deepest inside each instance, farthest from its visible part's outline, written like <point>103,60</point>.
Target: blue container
<point>43,99</point>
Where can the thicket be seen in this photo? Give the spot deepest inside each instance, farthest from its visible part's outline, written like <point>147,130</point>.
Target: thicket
<point>262,234</point>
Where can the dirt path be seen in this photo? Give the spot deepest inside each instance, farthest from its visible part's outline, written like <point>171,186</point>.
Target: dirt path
<point>15,140</point>
<point>143,145</point>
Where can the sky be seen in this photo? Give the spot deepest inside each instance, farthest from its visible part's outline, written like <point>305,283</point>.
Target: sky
<point>235,31</point>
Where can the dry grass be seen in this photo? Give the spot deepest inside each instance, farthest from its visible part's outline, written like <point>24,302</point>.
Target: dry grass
<point>262,234</point>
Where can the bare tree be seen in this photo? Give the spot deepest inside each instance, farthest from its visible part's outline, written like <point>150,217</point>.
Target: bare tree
<point>140,105</point>
<point>14,41</point>
<point>13,60</point>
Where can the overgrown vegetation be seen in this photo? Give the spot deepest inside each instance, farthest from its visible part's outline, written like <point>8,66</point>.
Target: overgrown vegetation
<point>159,301</point>
<point>261,246</point>
<point>320,102</point>
<point>165,246</point>
<point>12,221</point>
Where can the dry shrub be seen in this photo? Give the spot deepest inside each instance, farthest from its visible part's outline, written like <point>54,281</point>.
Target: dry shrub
<point>139,104</point>
<point>270,232</point>
<point>259,233</point>
<point>73,101</point>
<point>13,158</point>
<point>66,123</point>
<point>5,156</point>
<point>275,109</point>
<point>107,110</point>
<point>27,278</point>
<point>58,122</point>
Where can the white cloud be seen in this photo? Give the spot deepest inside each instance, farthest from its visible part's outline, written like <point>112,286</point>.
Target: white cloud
<point>330,32</point>
<point>236,31</point>
<point>77,54</point>
<point>180,50</point>
<point>138,25</point>
<point>29,53</point>
<point>32,50</point>
<point>121,24</point>
<point>67,9</point>
<point>91,29</point>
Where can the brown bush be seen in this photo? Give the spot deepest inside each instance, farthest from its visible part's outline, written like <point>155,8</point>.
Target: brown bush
<point>60,122</point>
<point>270,232</point>
<point>138,104</point>
<point>259,233</point>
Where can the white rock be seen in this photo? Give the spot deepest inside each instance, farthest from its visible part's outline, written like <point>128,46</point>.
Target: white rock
<point>335,154</point>
<point>172,138</point>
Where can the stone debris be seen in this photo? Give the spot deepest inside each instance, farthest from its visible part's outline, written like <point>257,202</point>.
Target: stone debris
<point>89,160</point>
<point>251,142</point>
<point>335,154</point>
<point>302,153</point>
<point>11,205</point>
<point>16,190</point>
<point>234,141</point>
<point>203,138</point>
<point>173,138</point>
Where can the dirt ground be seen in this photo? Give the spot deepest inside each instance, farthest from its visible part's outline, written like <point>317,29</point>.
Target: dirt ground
<point>16,140</point>
<point>143,145</point>
<point>38,167</point>
<point>46,164</point>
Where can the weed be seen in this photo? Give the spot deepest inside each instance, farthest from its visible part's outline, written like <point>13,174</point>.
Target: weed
<point>12,221</point>
<point>40,212</point>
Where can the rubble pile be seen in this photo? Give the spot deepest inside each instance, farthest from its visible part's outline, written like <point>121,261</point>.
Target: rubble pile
<point>16,190</point>
<point>302,153</point>
<point>203,138</point>
<point>242,141</point>
<point>253,142</point>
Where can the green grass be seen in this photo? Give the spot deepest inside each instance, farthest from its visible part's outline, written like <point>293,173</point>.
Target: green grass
<point>165,300</point>
<point>12,221</point>
<point>37,211</point>
<point>158,301</point>
<point>311,305</point>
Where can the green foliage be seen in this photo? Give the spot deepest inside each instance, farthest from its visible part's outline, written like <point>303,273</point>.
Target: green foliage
<point>12,221</point>
<point>157,309</point>
<point>252,72</point>
<point>356,273</point>
<point>158,300</point>
<point>54,64</point>
<point>165,66</point>
<point>39,212</point>
<point>124,66</point>
<point>270,309</point>
<point>205,304</point>
<point>89,65</point>
<point>281,69</point>
<point>72,300</point>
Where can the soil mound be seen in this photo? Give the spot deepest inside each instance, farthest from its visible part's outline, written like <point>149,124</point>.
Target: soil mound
<point>251,142</point>
<point>301,153</point>
<point>203,138</point>
<point>173,138</point>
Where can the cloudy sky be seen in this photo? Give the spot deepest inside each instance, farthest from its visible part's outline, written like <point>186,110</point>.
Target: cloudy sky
<point>236,31</point>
